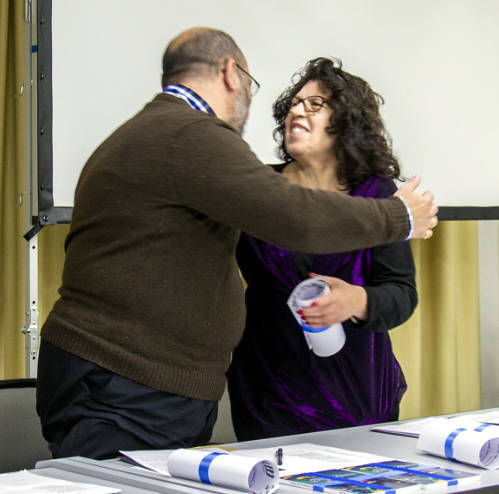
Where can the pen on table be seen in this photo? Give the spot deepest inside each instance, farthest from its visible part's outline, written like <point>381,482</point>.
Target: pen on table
<point>278,455</point>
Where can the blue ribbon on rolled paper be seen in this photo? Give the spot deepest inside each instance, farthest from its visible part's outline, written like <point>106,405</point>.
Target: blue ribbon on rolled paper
<point>204,466</point>
<point>309,329</point>
<point>480,428</point>
<point>449,443</point>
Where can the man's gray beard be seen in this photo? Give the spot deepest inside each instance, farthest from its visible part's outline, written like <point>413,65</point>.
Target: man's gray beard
<point>240,111</point>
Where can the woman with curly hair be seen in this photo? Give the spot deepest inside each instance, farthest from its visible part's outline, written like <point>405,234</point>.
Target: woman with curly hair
<point>331,136</point>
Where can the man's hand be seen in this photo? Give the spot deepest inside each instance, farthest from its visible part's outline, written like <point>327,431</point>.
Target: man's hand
<point>422,207</point>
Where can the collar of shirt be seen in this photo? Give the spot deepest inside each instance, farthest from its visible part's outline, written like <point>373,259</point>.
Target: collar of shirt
<point>191,97</point>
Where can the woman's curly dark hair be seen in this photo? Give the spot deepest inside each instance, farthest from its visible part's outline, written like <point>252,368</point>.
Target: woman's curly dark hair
<point>362,146</point>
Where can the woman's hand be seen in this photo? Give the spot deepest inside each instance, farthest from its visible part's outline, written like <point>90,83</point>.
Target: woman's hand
<point>341,303</point>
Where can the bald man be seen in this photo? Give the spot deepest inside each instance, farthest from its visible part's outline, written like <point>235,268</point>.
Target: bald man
<point>134,353</point>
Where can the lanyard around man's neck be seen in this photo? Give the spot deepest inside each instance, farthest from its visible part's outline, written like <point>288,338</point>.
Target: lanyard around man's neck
<point>191,97</point>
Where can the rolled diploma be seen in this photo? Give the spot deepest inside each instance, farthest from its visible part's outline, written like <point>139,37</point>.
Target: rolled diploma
<point>454,440</point>
<point>235,472</point>
<point>326,341</point>
<point>487,430</point>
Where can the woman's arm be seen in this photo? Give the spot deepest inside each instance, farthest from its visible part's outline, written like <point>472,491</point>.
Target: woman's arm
<point>387,301</point>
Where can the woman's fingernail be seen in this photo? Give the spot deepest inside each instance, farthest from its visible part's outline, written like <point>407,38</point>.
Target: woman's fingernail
<point>313,304</point>
<point>299,312</point>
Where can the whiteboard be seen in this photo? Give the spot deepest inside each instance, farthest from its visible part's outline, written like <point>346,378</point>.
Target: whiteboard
<point>435,63</point>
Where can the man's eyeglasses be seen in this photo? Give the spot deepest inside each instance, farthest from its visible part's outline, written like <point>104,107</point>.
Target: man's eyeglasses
<point>254,86</point>
<point>312,104</point>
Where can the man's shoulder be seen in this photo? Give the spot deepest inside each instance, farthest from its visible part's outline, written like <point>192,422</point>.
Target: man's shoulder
<point>165,119</point>
<point>179,112</point>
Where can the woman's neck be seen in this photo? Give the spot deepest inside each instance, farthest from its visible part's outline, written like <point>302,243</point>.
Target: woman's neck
<point>321,176</point>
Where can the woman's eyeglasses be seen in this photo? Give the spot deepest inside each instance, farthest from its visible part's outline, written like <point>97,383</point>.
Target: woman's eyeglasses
<point>312,104</point>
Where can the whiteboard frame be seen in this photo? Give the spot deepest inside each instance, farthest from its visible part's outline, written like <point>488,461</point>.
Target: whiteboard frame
<point>48,214</point>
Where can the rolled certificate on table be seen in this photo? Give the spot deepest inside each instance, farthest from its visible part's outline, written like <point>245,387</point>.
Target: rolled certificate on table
<point>235,472</point>
<point>464,441</point>
<point>325,341</point>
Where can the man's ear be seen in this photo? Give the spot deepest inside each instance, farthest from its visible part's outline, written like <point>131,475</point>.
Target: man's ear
<point>231,77</point>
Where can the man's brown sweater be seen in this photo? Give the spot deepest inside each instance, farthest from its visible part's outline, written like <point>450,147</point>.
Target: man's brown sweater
<point>151,288</point>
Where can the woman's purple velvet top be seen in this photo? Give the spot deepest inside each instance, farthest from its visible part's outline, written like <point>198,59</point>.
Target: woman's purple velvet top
<point>277,385</point>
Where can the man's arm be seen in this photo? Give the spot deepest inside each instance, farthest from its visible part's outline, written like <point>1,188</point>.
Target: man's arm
<point>219,176</point>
